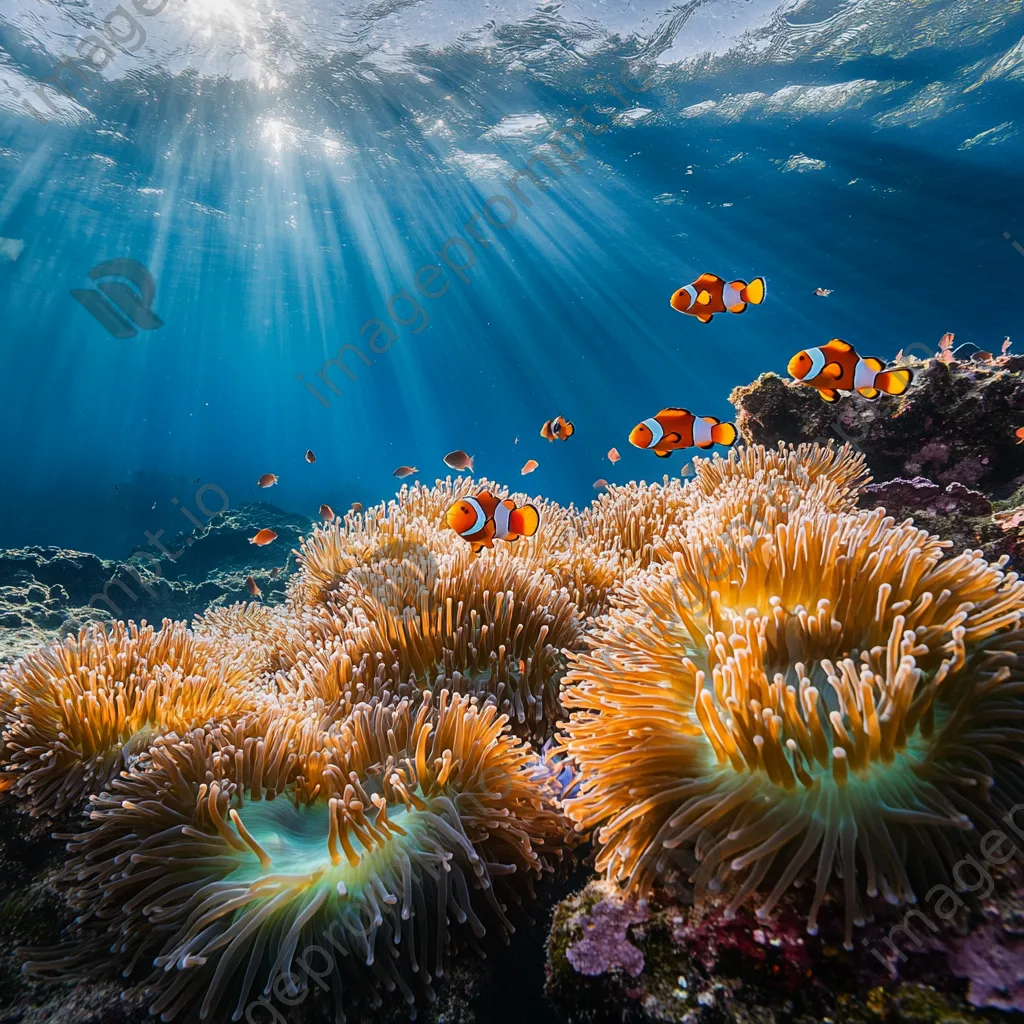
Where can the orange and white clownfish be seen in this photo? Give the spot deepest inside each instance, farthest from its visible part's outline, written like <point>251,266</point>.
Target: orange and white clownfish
<point>711,294</point>
<point>482,518</point>
<point>836,367</point>
<point>674,429</point>
<point>559,428</point>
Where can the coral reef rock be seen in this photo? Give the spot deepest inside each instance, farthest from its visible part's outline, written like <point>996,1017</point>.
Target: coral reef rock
<point>46,593</point>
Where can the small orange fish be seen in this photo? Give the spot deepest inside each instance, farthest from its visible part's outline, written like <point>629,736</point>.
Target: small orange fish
<point>674,429</point>
<point>613,455</point>
<point>263,537</point>
<point>1019,433</point>
<point>530,466</point>
<point>559,428</point>
<point>405,471</point>
<point>1006,346</point>
<point>711,294</point>
<point>275,570</point>
<point>310,457</point>
<point>601,485</point>
<point>326,512</point>
<point>458,460</point>
<point>356,506</point>
<point>267,480</point>
<point>946,341</point>
<point>481,519</point>
<point>822,292</point>
<point>836,367</point>
<point>250,585</point>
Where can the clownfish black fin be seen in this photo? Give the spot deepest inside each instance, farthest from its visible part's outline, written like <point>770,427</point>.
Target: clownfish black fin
<point>705,319</point>
<point>662,455</point>
<point>703,297</point>
<point>738,308</point>
<point>874,363</point>
<point>674,437</point>
<point>828,394</point>
<point>833,371</point>
<point>869,393</point>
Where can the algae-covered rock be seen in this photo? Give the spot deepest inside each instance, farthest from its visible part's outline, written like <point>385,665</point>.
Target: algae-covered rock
<point>955,424</point>
<point>612,959</point>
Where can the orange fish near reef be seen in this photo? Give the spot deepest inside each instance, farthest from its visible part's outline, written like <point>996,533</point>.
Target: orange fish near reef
<point>673,429</point>
<point>263,537</point>
<point>836,367</point>
<point>405,471</point>
<point>601,485</point>
<point>310,457</point>
<point>326,512</point>
<point>711,294</point>
<point>1019,433</point>
<point>267,480</point>
<point>481,519</point>
<point>529,466</point>
<point>559,429</point>
<point>250,585</point>
<point>356,506</point>
<point>613,455</point>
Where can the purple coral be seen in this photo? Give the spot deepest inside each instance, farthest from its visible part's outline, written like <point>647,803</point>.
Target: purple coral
<point>605,945</point>
<point>994,963</point>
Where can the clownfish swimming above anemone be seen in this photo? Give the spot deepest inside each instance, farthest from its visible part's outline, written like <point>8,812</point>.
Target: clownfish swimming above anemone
<point>674,429</point>
<point>835,368</point>
<point>711,294</point>
<point>482,518</point>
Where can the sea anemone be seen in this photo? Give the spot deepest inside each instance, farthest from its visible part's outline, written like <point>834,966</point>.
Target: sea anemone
<point>76,712</point>
<point>244,859</point>
<point>836,700</point>
<point>630,518</point>
<point>256,634</point>
<point>491,626</point>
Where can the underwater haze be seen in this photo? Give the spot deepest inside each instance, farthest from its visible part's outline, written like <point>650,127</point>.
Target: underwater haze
<point>383,231</point>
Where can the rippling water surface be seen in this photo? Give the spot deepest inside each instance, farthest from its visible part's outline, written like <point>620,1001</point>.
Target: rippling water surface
<point>288,171</point>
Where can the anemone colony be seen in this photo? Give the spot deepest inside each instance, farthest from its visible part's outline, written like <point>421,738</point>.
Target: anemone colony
<point>762,681</point>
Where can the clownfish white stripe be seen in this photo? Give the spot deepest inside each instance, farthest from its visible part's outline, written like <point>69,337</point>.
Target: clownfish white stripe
<point>817,363</point>
<point>481,517</point>
<point>864,376</point>
<point>501,517</point>
<point>657,432</point>
<point>701,432</point>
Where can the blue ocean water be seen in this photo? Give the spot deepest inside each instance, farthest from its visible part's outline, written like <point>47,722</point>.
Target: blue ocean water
<point>289,171</point>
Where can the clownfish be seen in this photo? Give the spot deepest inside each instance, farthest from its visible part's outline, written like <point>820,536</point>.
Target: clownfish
<point>711,294</point>
<point>836,367</point>
<point>559,428</point>
<point>674,429</point>
<point>481,519</point>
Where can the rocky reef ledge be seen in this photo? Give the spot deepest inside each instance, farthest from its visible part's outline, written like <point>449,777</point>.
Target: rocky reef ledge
<point>944,454</point>
<point>48,592</point>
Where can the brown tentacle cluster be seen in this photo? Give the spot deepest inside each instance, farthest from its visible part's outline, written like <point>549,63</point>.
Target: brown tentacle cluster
<point>384,846</point>
<point>79,710</point>
<point>835,698</point>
